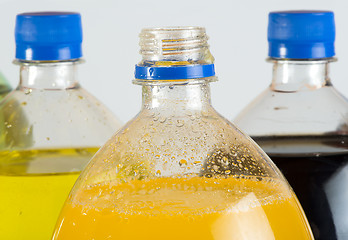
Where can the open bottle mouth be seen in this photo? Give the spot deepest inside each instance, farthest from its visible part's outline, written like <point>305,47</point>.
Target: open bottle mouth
<point>173,44</point>
<point>174,53</point>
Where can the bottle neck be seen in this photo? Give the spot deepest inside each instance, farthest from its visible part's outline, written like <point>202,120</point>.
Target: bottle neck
<point>175,98</point>
<point>295,75</point>
<point>173,49</point>
<point>48,75</point>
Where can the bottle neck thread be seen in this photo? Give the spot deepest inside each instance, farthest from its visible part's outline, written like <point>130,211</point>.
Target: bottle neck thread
<point>174,46</point>
<point>48,75</point>
<point>300,75</point>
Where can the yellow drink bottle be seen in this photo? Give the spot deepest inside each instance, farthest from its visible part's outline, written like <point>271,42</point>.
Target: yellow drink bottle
<point>50,126</point>
<point>179,170</point>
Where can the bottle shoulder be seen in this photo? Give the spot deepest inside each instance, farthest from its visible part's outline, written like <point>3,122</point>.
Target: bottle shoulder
<point>310,112</point>
<point>68,118</point>
<point>153,146</point>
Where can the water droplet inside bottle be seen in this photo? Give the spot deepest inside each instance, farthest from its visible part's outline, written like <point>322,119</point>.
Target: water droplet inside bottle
<point>179,123</point>
<point>182,162</point>
<point>28,91</point>
<point>151,71</point>
<point>162,119</point>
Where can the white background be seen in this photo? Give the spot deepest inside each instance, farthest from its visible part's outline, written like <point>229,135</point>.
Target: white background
<point>238,40</point>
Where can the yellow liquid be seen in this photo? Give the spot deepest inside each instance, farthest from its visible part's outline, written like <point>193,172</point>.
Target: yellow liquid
<point>195,208</point>
<point>30,202</point>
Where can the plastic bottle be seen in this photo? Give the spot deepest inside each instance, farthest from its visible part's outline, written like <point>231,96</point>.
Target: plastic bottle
<point>5,87</point>
<point>301,119</point>
<point>179,170</point>
<point>50,125</point>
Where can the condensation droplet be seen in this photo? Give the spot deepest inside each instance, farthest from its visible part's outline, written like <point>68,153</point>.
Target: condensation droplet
<point>182,162</point>
<point>136,172</point>
<point>28,91</point>
<point>151,71</point>
<point>162,119</point>
<point>216,167</point>
<point>179,123</point>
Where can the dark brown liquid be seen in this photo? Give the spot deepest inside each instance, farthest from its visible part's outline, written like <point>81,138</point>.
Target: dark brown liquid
<point>317,170</point>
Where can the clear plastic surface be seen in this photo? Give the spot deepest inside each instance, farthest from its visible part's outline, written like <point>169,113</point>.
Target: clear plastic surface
<point>50,128</point>
<point>301,122</point>
<point>179,170</point>
<point>5,87</point>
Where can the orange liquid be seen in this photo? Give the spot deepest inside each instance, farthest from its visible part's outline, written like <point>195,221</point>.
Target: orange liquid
<point>194,208</point>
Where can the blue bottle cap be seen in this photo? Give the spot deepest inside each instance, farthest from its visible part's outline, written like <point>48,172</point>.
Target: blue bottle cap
<point>301,34</point>
<point>48,36</point>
